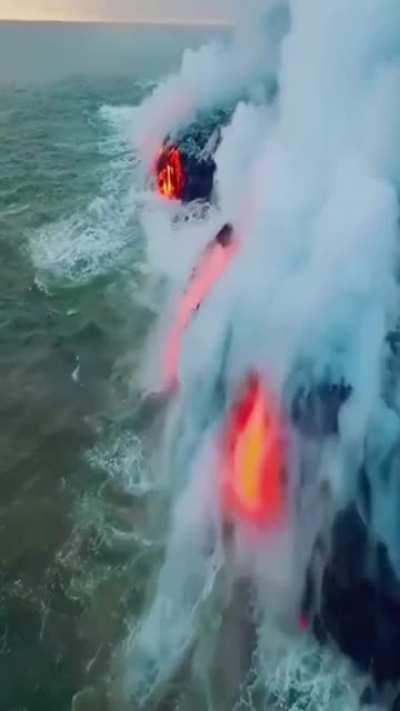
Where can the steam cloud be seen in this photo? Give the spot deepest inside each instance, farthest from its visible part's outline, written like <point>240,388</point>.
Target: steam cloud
<point>310,182</point>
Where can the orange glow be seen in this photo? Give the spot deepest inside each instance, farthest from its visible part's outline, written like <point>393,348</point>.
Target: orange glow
<point>253,458</point>
<point>215,261</point>
<point>170,173</point>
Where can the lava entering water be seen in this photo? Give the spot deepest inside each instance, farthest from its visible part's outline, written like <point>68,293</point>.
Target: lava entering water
<point>212,266</point>
<point>253,461</point>
<point>170,173</point>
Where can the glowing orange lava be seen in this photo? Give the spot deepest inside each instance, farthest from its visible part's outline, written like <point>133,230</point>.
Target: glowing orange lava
<point>253,458</point>
<point>210,269</point>
<point>170,173</point>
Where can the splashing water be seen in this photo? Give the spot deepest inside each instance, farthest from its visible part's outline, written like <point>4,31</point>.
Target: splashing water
<point>309,178</point>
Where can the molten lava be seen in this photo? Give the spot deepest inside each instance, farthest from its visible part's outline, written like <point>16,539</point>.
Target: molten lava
<point>212,266</point>
<point>253,486</point>
<point>170,173</point>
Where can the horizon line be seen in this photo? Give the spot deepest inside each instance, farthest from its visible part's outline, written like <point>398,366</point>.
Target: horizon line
<point>102,21</point>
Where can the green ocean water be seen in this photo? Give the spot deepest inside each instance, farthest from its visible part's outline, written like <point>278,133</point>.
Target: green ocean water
<point>73,563</point>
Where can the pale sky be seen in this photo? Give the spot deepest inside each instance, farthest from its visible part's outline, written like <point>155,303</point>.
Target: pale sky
<point>119,10</point>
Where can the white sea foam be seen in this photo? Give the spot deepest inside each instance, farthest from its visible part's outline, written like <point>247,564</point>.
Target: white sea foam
<point>95,239</point>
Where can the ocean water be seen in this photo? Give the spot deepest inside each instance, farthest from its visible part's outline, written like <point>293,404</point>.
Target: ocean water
<point>75,555</point>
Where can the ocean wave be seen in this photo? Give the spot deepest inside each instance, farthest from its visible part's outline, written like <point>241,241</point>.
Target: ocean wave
<point>95,239</point>
<point>85,245</point>
<point>14,210</point>
<point>118,117</point>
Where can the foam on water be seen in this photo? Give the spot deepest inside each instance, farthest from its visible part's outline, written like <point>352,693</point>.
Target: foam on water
<point>301,676</point>
<point>298,674</point>
<point>120,119</point>
<point>110,535</point>
<point>121,457</point>
<point>97,238</point>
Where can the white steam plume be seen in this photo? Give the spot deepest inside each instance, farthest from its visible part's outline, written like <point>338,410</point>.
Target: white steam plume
<point>311,187</point>
<point>212,75</point>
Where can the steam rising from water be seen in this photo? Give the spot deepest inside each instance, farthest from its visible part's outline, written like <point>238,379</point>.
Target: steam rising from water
<point>310,182</point>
